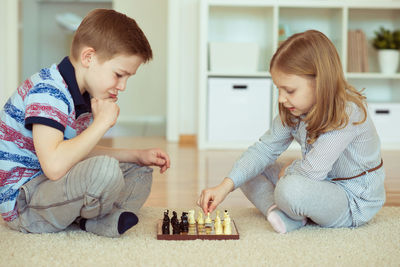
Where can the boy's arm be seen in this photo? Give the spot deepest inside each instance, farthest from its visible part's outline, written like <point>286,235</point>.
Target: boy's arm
<point>56,155</point>
<point>145,157</point>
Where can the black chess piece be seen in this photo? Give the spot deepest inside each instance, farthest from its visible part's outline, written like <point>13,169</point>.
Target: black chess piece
<point>165,225</point>
<point>184,223</point>
<point>176,228</point>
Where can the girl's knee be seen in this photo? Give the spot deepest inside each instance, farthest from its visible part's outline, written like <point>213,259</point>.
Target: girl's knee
<point>289,190</point>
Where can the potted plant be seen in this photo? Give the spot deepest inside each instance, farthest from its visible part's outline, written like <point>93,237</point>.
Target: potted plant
<point>388,44</point>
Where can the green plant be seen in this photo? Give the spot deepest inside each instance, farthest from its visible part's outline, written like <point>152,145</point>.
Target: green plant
<point>386,39</point>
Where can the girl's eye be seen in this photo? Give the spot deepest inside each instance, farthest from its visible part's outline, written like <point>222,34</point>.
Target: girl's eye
<point>290,92</point>
<point>118,75</point>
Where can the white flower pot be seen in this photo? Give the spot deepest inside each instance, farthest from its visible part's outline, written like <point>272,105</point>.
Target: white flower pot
<point>388,60</point>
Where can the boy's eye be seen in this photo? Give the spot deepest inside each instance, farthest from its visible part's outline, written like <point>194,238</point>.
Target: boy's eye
<point>290,92</point>
<point>118,75</point>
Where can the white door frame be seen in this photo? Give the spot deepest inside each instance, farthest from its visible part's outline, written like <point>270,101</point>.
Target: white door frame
<point>9,48</point>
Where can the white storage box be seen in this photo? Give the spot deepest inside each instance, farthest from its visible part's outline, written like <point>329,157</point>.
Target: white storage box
<point>386,117</point>
<point>233,57</point>
<point>239,109</point>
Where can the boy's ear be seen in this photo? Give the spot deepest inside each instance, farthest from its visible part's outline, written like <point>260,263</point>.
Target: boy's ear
<point>87,55</point>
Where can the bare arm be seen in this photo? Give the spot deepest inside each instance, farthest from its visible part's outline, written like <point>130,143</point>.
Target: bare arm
<point>145,157</point>
<point>57,156</point>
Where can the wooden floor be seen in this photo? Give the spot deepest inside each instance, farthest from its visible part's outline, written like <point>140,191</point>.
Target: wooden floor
<point>193,170</point>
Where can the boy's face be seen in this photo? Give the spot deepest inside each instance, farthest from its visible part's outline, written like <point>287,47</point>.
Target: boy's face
<point>296,93</point>
<point>104,80</point>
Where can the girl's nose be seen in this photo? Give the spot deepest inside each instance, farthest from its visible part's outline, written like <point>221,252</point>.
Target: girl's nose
<point>121,85</point>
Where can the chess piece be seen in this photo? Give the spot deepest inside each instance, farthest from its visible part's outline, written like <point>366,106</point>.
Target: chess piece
<point>227,224</point>
<point>191,217</point>
<point>218,226</point>
<point>217,218</point>
<point>200,220</point>
<point>184,223</point>
<point>165,224</point>
<point>176,227</point>
<point>208,219</point>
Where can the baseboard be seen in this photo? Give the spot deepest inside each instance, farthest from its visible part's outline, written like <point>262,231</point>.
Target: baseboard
<point>188,140</point>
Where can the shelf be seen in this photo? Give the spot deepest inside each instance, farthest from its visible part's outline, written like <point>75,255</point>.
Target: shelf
<point>262,22</point>
<point>372,75</point>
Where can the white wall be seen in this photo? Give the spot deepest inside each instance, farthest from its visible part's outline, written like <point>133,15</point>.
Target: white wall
<point>9,59</point>
<point>145,96</point>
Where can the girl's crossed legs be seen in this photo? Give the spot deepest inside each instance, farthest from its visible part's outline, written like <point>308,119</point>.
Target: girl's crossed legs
<point>297,198</point>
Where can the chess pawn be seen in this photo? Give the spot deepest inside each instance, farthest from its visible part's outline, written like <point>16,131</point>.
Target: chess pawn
<point>191,217</point>
<point>208,224</point>
<point>200,220</point>
<point>165,224</point>
<point>218,227</point>
<point>176,227</point>
<point>184,223</point>
<point>217,218</point>
<point>227,224</point>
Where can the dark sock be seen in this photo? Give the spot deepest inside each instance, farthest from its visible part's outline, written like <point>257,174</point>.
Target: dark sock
<point>126,221</point>
<point>82,224</point>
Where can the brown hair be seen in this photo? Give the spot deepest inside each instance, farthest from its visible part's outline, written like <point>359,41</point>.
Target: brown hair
<point>312,55</point>
<point>109,33</point>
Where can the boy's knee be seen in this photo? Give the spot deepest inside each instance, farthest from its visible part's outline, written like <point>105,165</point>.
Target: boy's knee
<point>106,174</point>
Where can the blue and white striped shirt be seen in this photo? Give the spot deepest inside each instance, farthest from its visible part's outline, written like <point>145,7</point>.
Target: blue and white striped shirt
<point>339,153</point>
<point>50,97</point>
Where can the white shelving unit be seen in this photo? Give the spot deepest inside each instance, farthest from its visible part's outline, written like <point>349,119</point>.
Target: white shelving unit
<point>258,21</point>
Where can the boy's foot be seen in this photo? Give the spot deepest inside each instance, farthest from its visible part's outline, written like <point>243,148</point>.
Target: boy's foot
<point>281,222</point>
<point>111,225</point>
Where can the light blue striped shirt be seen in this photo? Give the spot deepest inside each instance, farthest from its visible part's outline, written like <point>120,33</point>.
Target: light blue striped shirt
<point>335,154</point>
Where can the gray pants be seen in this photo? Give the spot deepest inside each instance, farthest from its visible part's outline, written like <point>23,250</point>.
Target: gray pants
<point>324,202</point>
<point>93,188</point>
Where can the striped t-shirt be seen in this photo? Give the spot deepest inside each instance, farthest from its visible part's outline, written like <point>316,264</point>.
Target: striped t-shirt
<point>50,97</point>
<point>335,154</point>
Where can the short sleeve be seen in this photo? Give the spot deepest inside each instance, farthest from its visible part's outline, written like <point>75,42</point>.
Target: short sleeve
<point>48,105</point>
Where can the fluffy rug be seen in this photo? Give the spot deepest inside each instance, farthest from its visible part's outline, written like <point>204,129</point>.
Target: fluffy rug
<point>375,244</point>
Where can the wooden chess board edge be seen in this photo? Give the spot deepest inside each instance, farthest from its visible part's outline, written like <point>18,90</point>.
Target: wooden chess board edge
<point>161,236</point>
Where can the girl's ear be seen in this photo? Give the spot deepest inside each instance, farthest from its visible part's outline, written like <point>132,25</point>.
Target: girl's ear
<point>87,55</point>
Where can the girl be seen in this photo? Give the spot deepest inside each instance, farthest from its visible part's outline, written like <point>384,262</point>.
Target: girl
<point>339,180</point>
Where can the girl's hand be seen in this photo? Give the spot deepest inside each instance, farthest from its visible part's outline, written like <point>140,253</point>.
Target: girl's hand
<point>154,157</point>
<point>210,198</point>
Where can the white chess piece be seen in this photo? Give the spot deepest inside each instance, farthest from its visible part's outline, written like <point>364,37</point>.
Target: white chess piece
<point>200,219</point>
<point>191,217</point>
<point>227,224</point>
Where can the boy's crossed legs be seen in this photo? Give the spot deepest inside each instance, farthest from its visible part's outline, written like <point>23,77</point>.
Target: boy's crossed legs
<point>103,192</point>
<point>288,202</point>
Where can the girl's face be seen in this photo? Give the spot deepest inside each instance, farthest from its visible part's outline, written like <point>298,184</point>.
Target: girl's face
<point>296,93</point>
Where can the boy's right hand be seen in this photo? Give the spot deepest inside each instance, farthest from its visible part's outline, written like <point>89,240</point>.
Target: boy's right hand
<point>210,198</point>
<point>105,111</point>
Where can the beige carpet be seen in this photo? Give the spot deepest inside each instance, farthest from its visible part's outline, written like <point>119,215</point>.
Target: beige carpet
<point>375,244</point>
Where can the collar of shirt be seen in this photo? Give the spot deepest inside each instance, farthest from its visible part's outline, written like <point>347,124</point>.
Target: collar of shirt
<point>81,102</point>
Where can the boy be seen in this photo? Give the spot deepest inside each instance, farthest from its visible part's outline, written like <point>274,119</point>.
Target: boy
<point>52,173</point>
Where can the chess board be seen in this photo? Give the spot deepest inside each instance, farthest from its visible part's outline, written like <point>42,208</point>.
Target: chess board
<point>197,232</point>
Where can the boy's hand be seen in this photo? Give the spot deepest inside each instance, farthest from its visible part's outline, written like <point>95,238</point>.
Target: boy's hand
<point>210,198</point>
<point>154,157</point>
<point>105,111</point>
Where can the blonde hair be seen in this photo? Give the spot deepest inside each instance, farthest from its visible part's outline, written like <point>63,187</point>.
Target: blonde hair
<point>312,55</point>
<point>110,33</point>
